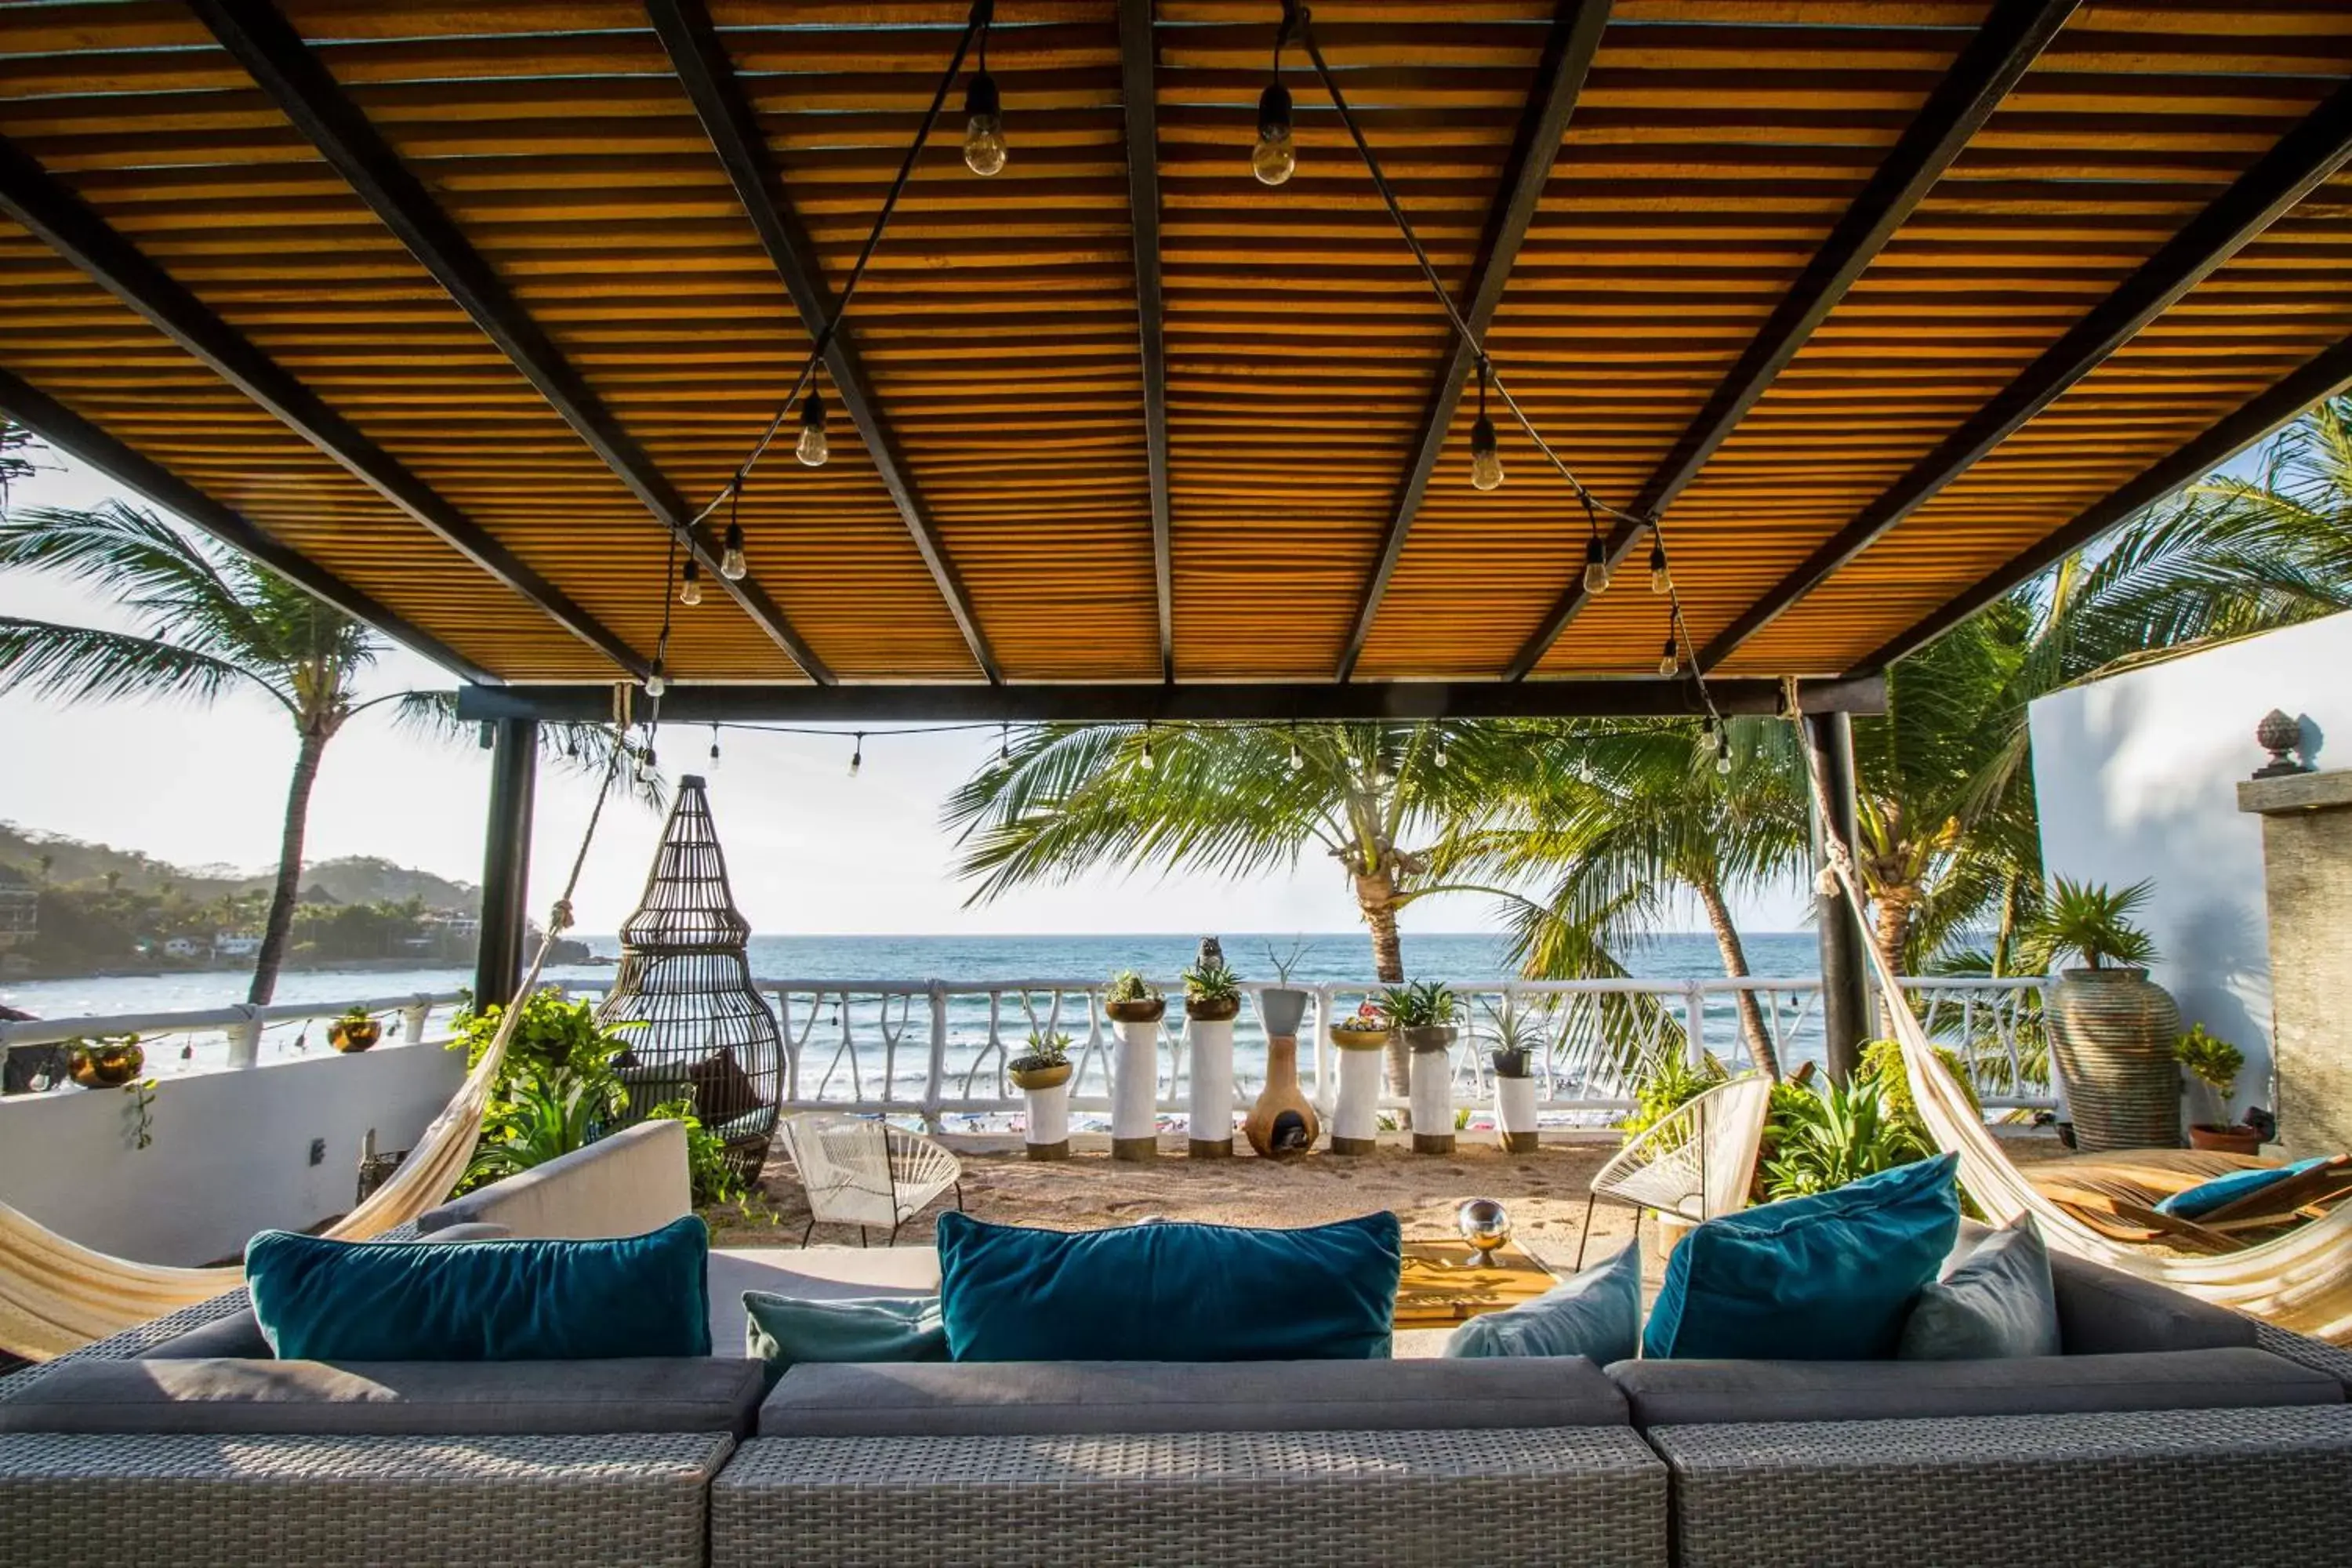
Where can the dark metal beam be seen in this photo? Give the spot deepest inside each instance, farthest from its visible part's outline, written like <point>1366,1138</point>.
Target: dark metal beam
<point>2306,155</point>
<point>67,226</point>
<point>702,65</point>
<point>2322,376</point>
<point>1397,702</point>
<point>1576,30</point>
<point>2011,38</point>
<point>1140,98</point>
<point>275,56</point>
<point>506,861</point>
<point>1845,987</point>
<point>70,433</point>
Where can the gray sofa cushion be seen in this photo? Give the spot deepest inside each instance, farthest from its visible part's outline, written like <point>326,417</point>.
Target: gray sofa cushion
<point>236,1336</point>
<point>1706,1392</point>
<point>2103,1311</point>
<point>1027,1398</point>
<point>391,1398</point>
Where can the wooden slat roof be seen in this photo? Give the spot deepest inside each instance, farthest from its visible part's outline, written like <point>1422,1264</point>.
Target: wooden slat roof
<point>1839,238</point>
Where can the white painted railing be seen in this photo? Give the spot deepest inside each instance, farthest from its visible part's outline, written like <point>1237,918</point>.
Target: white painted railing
<point>241,1036</point>
<point>938,1049</point>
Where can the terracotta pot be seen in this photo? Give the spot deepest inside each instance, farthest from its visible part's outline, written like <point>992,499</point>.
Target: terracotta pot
<point>1359,1039</point>
<point>1150,1010</point>
<point>2112,1031</point>
<point>348,1036</point>
<point>2239,1139</point>
<point>1218,1011</point>
<point>105,1067</point>
<point>1042,1078</point>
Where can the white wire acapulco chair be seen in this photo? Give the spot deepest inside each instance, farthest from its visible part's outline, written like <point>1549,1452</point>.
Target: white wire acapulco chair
<point>1694,1164</point>
<point>866,1174</point>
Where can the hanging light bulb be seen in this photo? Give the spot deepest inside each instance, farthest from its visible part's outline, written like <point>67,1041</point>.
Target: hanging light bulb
<point>1148,761</point>
<point>814,449</point>
<point>648,766</point>
<point>857,754</point>
<point>1661,579</point>
<point>1004,743</point>
<point>1669,657</point>
<point>714,745</point>
<point>655,684</point>
<point>1440,758</point>
<point>1723,751</point>
<point>1485,462</point>
<point>1274,158</point>
<point>689,582</point>
<point>1596,566</point>
<point>1298,758</point>
<point>731,564</point>
<point>983,137</point>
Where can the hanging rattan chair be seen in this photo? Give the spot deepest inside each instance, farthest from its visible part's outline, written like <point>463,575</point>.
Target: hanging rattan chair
<point>683,995</point>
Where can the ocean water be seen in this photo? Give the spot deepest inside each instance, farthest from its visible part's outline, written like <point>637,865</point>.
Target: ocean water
<point>1339,958</point>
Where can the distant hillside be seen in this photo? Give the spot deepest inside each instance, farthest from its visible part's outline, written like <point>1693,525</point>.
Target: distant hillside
<point>56,861</point>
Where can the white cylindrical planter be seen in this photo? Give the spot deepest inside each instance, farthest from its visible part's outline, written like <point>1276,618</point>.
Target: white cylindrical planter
<point>1515,1114</point>
<point>1135,1091</point>
<point>1211,1043</point>
<point>1048,1134</point>
<point>1432,1089</point>
<point>1356,1119</point>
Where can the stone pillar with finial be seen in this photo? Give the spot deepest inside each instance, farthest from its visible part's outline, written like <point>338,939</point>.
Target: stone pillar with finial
<point>2306,815</point>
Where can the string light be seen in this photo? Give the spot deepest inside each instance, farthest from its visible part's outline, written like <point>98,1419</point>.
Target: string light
<point>983,138</point>
<point>857,754</point>
<point>812,448</point>
<point>648,766</point>
<point>1298,758</point>
<point>1670,656</point>
<point>731,564</point>
<point>689,582</point>
<point>1148,762</point>
<point>1723,750</point>
<point>1004,743</point>
<point>1596,566</point>
<point>1275,157</point>
<point>1661,579</point>
<point>655,684</point>
<point>714,745</point>
<point>1485,461</point>
<point>1441,751</point>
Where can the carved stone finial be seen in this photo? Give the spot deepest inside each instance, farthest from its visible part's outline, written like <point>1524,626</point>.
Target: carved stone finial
<point>2280,734</point>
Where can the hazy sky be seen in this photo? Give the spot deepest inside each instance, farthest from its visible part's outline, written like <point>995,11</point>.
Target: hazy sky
<point>809,849</point>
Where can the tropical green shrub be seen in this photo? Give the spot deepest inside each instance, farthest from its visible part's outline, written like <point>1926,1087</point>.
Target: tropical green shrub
<point>1824,1140</point>
<point>1428,1003</point>
<point>2095,923</point>
<point>2217,1063</point>
<point>709,1173</point>
<point>1882,1064</point>
<point>1668,1082</point>
<point>552,1036</point>
<point>540,1118</point>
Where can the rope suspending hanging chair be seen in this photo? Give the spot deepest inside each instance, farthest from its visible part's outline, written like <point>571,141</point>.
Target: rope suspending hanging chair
<point>697,1028</point>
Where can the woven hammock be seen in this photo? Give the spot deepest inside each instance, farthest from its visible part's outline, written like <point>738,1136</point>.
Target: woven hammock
<point>56,1295</point>
<point>697,1028</point>
<point>2301,1280</point>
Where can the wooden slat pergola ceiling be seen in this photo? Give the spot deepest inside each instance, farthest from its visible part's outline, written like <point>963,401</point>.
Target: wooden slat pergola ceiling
<point>1877,304</point>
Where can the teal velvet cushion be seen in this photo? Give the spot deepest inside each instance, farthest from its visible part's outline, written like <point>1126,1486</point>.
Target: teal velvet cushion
<point>1169,1293</point>
<point>1597,1313</point>
<point>2204,1198</point>
<point>483,1301</point>
<point>1999,1302</point>
<point>785,1330</point>
<point>1826,1277</point>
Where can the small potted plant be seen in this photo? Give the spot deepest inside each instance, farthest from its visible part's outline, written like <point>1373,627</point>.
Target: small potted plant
<point>2112,1028</point>
<point>1131,999</point>
<point>1213,992</point>
<point>1281,1006</point>
<point>1362,1038</point>
<point>1042,1073</point>
<point>1517,1039</point>
<point>354,1031</point>
<point>1212,999</point>
<point>1423,1014</point>
<point>109,1061</point>
<point>2213,1067</point>
<point>1365,1030</point>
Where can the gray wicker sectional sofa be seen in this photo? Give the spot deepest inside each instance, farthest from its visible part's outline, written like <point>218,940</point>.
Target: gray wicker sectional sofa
<point>2167,1430</point>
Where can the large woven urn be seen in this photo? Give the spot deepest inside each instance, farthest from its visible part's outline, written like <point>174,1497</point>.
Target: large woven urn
<point>2112,1032</point>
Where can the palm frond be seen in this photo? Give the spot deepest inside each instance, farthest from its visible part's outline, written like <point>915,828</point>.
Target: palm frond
<point>77,664</point>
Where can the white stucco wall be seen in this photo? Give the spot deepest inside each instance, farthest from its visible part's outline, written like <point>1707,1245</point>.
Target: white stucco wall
<point>2137,776</point>
<point>231,1153</point>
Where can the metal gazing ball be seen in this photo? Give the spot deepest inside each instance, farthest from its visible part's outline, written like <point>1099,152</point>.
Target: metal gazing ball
<point>1485,1227</point>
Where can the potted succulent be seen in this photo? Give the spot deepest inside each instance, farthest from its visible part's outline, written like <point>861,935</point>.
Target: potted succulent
<point>2111,1027</point>
<point>1042,1073</point>
<point>1517,1039</point>
<point>2213,1067</point>
<point>1213,998</point>
<point>109,1061</point>
<point>1131,999</point>
<point>1362,1038</point>
<point>1423,1014</point>
<point>356,1030</point>
<point>1282,1123</point>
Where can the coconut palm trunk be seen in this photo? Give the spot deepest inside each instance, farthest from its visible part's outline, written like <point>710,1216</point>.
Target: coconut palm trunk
<point>278,928</point>
<point>1376,898</point>
<point>1752,1028</point>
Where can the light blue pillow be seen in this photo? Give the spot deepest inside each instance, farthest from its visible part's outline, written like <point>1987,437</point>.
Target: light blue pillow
<point>2000,1303</point>
<point>1169,1293</point>
<point>533,1300</point>
<point>1597,1313</point>
<point>1826,1277</point>
<point>2204,1198</point>
<point>785,1330</point>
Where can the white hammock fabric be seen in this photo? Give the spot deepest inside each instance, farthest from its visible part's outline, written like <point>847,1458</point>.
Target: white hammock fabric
<point>56,1295</point>
<point>2301,1280</point>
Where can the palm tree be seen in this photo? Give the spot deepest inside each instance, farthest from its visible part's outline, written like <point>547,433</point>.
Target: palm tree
<point>1239,799</point>
<point>14,441</point>
<point>1627,815</point>
<point>215,622</point>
